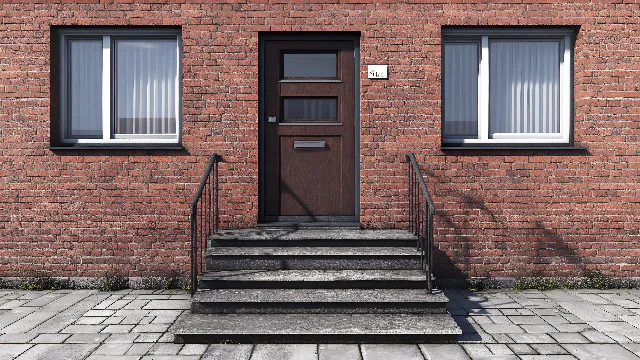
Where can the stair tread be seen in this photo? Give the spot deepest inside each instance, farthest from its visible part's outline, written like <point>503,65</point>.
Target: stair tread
<point>309,324</point>
<point>313,234</point>
<point>314,275</point>
<point>319,296</point>
<point>312,251</point>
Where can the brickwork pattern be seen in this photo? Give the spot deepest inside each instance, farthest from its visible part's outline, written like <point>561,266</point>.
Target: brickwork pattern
<point>500,213</point>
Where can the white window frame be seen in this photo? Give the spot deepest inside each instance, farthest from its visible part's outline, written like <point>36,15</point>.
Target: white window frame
<point>109,36</point>
<point>483,36</point>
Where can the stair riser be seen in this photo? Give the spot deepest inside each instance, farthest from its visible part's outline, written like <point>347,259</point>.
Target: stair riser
<point>316,308</point>
<point>314,243</point>
<point>297,263</point>
<point>337,284</point>
<point>314,338</point>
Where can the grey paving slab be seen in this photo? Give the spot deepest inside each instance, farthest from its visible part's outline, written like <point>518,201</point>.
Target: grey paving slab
<point>50,338</point>
<point>597,337</point>
<point>86,338</point>
<point>502,328</point>
<point>44,299</point>
<point>228,352</point>
<point>285,352</point>
<point>29,322</point>
<point>16,338</point>
<point>444,351</point>
<point>569,338</point>
<point>391,352</point>
<point>547,357</point>
<point>11,351</point>
<point>165,349</point>
<point>148,338</point>
<point>139,349</point>
<point>90,320</point>
<point>613,326</point>
<point>499,349</point>
<point>193,349</point>
<point>562,295</point>
<point>572,328</point>
<point>171,357</point>
<point>112,349</point>
<point>549,349</point>
<point>70,314</point>
<point>117,328</point>
<point>538,329</point>
<point>84,329</point>
<point>121,338</point>
<point>633,320</point>
<point>587,311</point>
<point>634,348</point>
<point>522,349</point>
<point>58,352</point>
<point>600,352</point>
<point>339,352</point>
<point>532,338</point>
<point>14,315</point>
<point>475,350</point>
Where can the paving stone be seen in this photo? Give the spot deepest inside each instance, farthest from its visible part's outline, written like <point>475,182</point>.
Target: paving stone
<point>532,338</point>
<point>525,312</point>
<point>193,349</point>
<point>572,328</point>
<point>572,318</point>
<point>547,357</point>
<point>634,348</point>
<point>14,338</point>
<point>520,320</point>
<point>12,304</point>
<point>388,352</point>
<point>50,338</point>
<point>121,338</point>
<point>549,349</point>
<point>69,315</point>
<point>132,319</point>
<point>150,328</point>
<point>228,352</point>
<point>554,319</point>
<point>538,329</point>
<point>11,351</point>
<point>165,349</point>
<point>168,305</point>
<point>499,349</point>
<point>618,337</point>
<point>90,320</point>
<point>562,295</point>
<point>600,351</point>
<point>148,337</point>
<point>14,315</point>
<point>136,304</point>
<point>164,320</point>
<point>613,326</point>
<point>112,349</point>
<point>339,352</point>
<point>86,329</point>
<point>101,313</point>
<point>86,338</point>
<point>171,357</point>
<point>118,329</point>
<point>522,349</point>
<point>617,310</point>
<point>482,319</point>
<point>502,338</point>
<point>475,350</point>
<point>139,349</point>
<point>597,337</point>
<point>113,320</point>
<point>109,357</point>
<point>166,338</point>
<point>118,304</point>
<point>58,351</point>
<point>146,320</point>
<point>633,320</point>
<point>444,351</point>
<point>502,328</point>
<point>44,300</point>
<point>569,338</point>
<point>546,312</point>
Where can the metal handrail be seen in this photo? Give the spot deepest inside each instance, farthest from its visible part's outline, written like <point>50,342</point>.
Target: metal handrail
<point>421,212</point>
<point>206,201</point>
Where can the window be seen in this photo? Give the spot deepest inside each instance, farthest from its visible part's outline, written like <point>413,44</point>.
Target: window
<point>507,86</point>
<point>119,86</point>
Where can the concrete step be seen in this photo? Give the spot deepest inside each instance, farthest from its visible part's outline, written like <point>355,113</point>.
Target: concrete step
<point>314,328</point>
<point>348,301</point>
<point>313,237</point>
<point>313,279</point>
<point>311,258</point>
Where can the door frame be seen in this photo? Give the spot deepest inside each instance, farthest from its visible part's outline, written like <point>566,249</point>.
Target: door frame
<point>307,36</point>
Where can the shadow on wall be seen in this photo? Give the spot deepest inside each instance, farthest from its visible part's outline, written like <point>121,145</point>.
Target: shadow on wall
<point>475,239</point>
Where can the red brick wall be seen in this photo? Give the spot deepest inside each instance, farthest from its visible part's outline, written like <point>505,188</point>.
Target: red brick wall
<point>500,213</point>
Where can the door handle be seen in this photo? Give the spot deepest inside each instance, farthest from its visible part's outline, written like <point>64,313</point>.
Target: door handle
<point>309,144</point>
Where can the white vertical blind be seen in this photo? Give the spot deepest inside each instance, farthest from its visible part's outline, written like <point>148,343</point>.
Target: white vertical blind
<point>85,88</point>
<point>461,89</point>
<point>524,81</point>
<point>146,87</point>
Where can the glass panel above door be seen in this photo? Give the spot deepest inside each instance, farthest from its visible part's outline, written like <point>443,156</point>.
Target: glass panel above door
<point>310,65</point>
<point>306,110</point>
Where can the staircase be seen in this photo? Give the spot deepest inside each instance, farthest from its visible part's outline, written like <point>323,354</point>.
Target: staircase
<point>334,285</point>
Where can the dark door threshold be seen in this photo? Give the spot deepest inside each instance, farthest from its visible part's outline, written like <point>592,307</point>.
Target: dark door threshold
<point>309,225</point>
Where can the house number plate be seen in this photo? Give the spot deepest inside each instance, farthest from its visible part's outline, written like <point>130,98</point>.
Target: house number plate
<point>377,72</point>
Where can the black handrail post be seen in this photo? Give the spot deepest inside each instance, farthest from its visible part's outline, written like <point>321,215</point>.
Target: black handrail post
<point>203,222</point>
<point>421,219</point>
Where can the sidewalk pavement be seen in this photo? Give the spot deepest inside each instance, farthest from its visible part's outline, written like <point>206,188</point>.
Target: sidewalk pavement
<point>135,324</point>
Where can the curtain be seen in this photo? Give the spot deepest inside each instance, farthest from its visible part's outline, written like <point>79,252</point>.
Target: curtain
<point>524,84</point>
<point>461,89</point>
<point>146,86</point>
<point>85,88</point>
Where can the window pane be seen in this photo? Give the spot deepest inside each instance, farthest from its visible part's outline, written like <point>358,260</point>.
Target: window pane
<point>146,86</point>
<point>524,82</point>
<point>85,89</point>
<point>310,65</point>
<point>461,89</point>
<point>310,109</point>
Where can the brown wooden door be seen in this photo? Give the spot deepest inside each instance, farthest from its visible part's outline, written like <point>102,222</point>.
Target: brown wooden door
<point>309,130</point>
